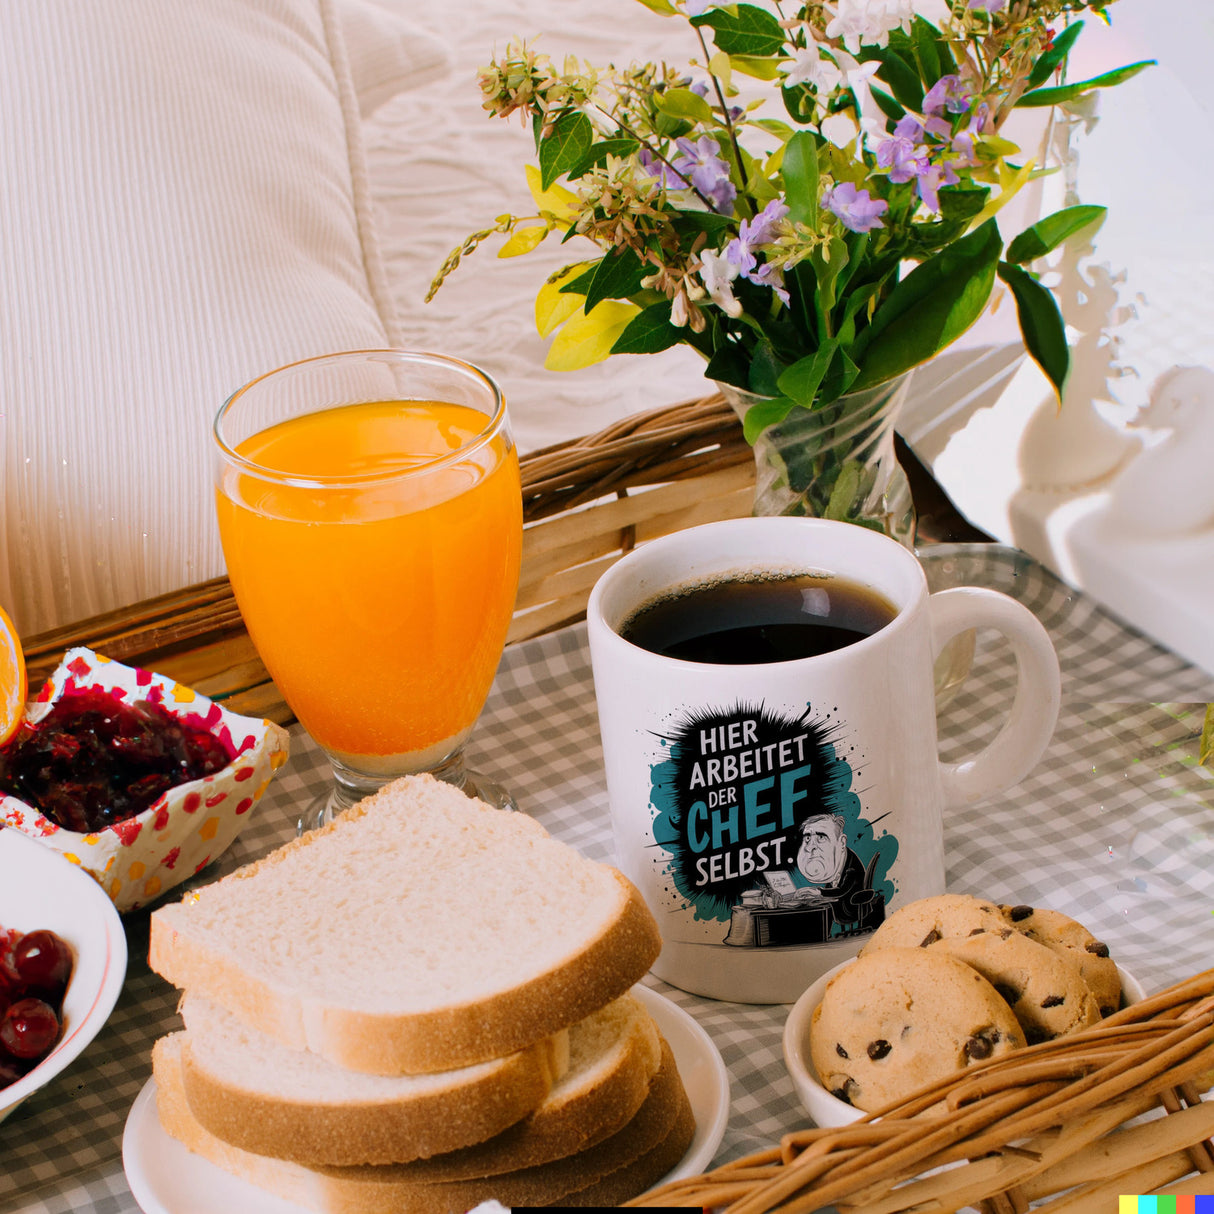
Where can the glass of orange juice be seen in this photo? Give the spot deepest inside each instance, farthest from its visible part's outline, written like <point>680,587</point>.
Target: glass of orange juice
<point>371,517</point>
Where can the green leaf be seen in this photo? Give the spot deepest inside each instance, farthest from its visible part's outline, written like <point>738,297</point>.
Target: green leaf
<point>774,126</point>
<point>1206,752</point>
<point>1065,92</point>
<point>756,66</point>
<point>961,202</point>
<point>800,382</point>
<point>1040,323</point>
<point>886,104</point>
<point>838,379</point>
<point>930,308</point>
<point>649,332</point>
<point>845,491</point>
<point>711,222</point>
<point>766,411</point>
<point>901,76</point>
<point>616,276</point>
<point>765,369</point>
<point>743,29</point>
<point>1052,59</point>
<point>800,103</point>
<point>826,272</point>
<point>597,153</point>
<point>799,169</point>
<point>1048,233</point>
<point>685,105</point>
<point>564,147</point>
<point>729,365</point>
<point>662,7</point>
<point>924,41</point>
<point>580,284</point>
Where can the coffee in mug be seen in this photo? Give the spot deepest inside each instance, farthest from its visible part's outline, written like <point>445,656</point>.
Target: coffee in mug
<point>766,617</point>
<point>766,704</point>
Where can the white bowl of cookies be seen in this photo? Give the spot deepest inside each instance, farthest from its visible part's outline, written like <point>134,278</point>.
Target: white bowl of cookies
<point>944,983</point>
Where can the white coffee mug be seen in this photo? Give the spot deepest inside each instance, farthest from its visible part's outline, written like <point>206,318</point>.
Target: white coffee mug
<point>772,814</point>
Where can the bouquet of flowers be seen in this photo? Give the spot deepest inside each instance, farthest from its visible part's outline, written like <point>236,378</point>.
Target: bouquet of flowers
<point>811,204</point>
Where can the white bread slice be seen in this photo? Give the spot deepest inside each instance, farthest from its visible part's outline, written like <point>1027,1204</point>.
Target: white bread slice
<point>628,1159</point>
<point>420,931</point>
<point>614,1055</point>
<point>256,1093</point>
<point>259,1095</point>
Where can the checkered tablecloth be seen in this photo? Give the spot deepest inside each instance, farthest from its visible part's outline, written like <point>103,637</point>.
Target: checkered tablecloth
<point>1115,826</point>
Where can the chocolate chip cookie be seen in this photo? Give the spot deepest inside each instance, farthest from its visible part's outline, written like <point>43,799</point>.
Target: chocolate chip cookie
<point>926,920</point>
<point>898,1018</point>
<point>1072,940</point>
<point>1046,991</point>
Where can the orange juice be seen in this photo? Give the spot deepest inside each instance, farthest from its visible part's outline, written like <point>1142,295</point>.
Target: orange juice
<point>379,601</point>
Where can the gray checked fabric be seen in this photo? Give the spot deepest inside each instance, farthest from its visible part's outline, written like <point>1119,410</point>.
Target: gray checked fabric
<point>1115,826</point>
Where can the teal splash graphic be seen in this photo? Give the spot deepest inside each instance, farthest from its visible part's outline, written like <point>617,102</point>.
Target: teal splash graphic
<point>763,828</point>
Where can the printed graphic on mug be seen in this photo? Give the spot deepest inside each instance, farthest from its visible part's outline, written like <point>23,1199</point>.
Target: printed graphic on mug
<point>759,827</point>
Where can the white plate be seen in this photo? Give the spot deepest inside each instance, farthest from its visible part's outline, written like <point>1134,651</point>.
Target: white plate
<point>165,1178</point>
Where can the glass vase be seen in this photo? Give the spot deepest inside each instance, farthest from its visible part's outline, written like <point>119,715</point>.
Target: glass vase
<point>835,461</point>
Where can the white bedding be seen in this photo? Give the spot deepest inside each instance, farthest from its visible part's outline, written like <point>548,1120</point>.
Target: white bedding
<point>441,168</point>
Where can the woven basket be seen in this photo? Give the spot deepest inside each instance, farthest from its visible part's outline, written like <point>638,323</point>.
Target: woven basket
<point>1067,1126</point>
<point>585,503</point>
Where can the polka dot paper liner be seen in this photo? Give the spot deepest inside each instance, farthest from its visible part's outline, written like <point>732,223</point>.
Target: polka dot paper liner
<point>137,860</point>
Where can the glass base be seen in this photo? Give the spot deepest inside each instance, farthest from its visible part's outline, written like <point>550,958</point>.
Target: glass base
<point>322,809</point>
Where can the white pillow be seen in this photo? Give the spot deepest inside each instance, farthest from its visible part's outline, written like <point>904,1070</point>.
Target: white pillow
<point>387,55</point>
<point>183,206</point>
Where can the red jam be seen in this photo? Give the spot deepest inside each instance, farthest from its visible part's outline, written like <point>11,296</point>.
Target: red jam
<point>34,973</point>
<point>95,760</point>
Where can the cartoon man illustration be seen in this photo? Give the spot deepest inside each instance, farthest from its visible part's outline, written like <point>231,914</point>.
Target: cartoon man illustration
<point>829,868</point>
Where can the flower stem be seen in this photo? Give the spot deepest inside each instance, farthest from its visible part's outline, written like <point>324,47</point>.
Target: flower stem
<point>729,126</point>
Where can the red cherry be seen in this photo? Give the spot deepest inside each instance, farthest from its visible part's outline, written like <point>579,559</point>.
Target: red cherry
<point>29,1028</point>
<point>43,963</point>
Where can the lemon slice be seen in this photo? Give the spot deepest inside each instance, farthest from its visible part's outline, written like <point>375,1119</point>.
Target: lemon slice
<point>13,685</point>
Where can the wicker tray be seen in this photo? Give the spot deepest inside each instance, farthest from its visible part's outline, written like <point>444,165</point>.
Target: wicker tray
<point>585,503</point>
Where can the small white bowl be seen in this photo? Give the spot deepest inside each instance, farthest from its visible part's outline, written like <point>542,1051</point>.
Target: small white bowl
<point>827,1110</point>
<point>40,889</point>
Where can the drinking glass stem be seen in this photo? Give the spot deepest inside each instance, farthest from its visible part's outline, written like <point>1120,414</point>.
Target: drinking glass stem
<point>350,787</point>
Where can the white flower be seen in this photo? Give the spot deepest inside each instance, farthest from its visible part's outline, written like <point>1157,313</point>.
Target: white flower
<point>812,67</point>
<point>718,274</point>
<point>868,21</point>
<point>839,129</point>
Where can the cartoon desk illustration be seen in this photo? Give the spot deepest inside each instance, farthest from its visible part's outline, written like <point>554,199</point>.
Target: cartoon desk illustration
<point>827,896</point>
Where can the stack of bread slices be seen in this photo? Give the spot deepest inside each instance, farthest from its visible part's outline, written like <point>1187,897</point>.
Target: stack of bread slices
<point>425,1005</point>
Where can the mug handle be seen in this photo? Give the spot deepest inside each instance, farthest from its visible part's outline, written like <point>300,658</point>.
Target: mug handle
<point>1026,733</point>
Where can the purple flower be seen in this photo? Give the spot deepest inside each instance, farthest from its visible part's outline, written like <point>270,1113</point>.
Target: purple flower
<point>764,228</point>
<point>708,173</point>
<point>909,127</point>
<point>904,158</point>
<point>856,209</point>
<point>963,141</point>
<point>654,166</point>
<point>988,6</point>
<point>930,182</point>
<point>753,234</point>
<point>949,93</point>
<point>768,275</point>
